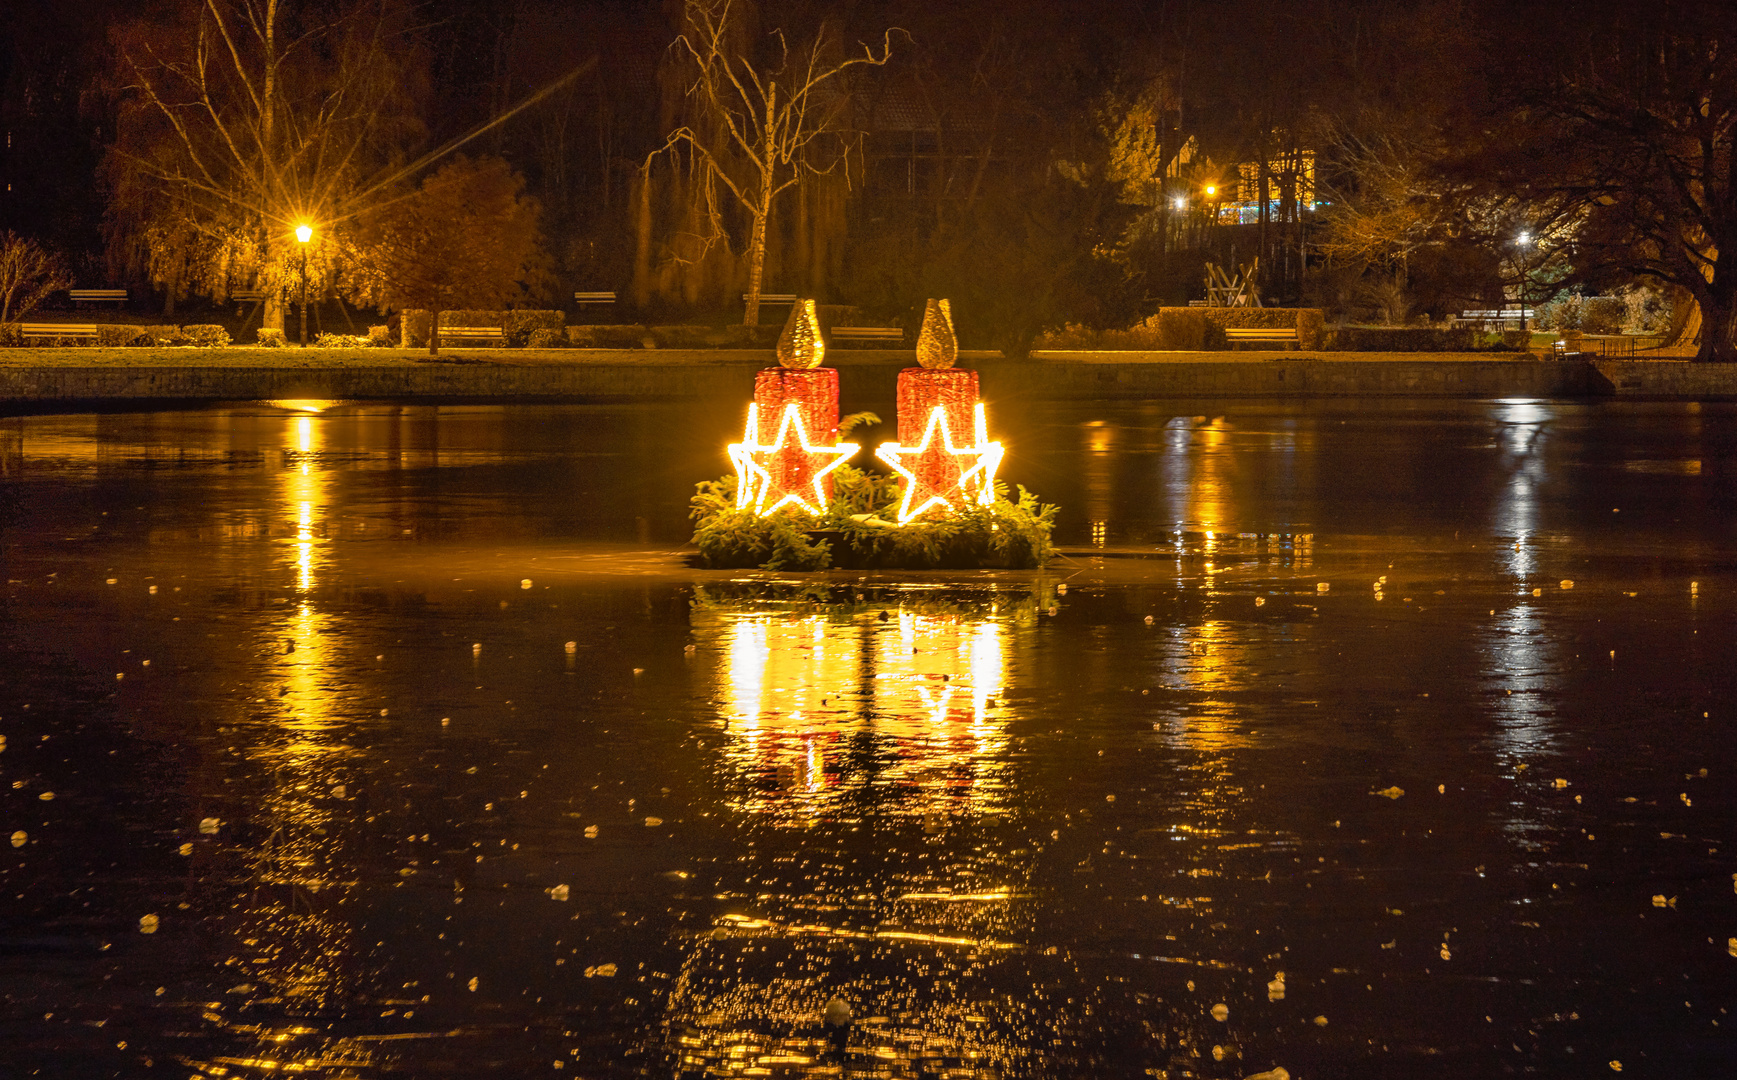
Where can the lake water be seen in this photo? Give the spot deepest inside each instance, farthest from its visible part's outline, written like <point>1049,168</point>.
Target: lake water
<point>1357,738</point>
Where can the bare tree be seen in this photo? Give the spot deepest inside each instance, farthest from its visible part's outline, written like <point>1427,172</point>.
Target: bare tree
<point>244,120</point>
<point>1624,151</point>
<point>27,275</point>
<point>758,122</point>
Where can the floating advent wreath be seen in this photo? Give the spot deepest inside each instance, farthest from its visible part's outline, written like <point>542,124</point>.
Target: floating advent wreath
<point>795,503</point>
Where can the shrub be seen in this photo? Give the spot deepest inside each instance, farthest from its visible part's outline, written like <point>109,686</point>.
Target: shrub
<point>547,338</point>
<point>1401,339</point>
<point>117,335</point>
<point>380,337</point>
<point>1562,313</point>
<point>518,325</point>
<point>209,335</point>
<point>1517,340</point>
<point>11,335</point>
<point>270,337</point>
<point>1602,314</point>
<point>340,341</point>
<point>1648,311</point>
<point>166,335</point>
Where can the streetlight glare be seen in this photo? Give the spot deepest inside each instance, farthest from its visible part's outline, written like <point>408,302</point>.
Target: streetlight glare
<point>1211,190</point>
<point>304,233</point>
<point>1525,238</point>
<point>1180,203</point>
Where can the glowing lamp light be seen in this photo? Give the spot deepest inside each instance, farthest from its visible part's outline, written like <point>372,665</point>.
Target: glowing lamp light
<point>975,483</point>
<point>1211,190</point>
<point>1180,203</point>
<point>304,233</point>
<point>756,488</point>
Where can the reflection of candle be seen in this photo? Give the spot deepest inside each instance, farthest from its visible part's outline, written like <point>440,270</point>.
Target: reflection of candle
<point>793,689</point>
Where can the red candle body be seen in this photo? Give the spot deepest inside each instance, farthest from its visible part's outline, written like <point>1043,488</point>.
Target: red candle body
<point>920,391</point>
<point>815,390</point>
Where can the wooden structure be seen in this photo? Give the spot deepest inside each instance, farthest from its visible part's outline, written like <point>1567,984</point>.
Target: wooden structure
<point>1233,290</point>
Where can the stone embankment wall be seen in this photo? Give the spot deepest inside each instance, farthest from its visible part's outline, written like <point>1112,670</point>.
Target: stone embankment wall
<point>726,377</point>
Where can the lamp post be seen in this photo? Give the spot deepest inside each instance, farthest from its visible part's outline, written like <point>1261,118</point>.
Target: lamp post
<point>304,233</point>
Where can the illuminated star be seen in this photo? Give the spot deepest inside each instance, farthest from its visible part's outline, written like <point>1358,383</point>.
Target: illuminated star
<point>976,483</point>
<point>755,485</point>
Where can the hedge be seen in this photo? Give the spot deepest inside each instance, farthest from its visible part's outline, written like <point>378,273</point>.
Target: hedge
<point>1401,339</point>
<point>625,336</point>
<point>516,325</point>
<point>1193,329</point>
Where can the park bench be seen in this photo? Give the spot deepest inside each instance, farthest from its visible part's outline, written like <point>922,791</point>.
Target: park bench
<point>476,333</point>
<point>767,298</point>
<point>94,296</point>
<point>247,296</point>
<point>868,333</point>
<point>1239,335</point>
<point>584,298</point>
<point>58,330</point>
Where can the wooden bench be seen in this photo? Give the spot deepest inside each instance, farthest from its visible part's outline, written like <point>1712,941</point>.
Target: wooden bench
<point>247,296</point>
<point>584,298</point>
<point>1239,335</point>
<point>767,298</point>
<point>868,333</point>
<point>478,333</point>
<point>94,296</point>
<point>58,330</point>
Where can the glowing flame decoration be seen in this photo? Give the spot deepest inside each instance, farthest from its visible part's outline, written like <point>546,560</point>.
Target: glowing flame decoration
<point>756,489</point>
<point>941,479</point>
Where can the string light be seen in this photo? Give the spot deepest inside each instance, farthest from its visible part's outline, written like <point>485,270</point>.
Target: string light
<point>756,488</point>
<point>975,484</point>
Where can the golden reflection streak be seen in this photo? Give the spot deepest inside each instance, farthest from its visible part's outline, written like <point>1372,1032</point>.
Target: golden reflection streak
<point>794,684</point>
<point>288,930</point>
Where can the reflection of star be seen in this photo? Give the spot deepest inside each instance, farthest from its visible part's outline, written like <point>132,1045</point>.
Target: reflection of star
<point>755,462</point>
<point>976,483</point>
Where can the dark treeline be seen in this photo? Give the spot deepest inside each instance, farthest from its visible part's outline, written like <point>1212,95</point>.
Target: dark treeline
<point>1043,164</point>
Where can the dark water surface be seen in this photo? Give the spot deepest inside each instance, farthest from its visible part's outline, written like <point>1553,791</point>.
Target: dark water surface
<point>1359,739</point>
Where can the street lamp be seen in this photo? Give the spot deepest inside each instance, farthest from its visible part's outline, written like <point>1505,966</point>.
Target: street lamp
<point>304,233</point>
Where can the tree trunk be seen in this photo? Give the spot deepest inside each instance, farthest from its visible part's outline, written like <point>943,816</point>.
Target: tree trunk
<point>642,242</point>
<point>434,332</point>
<point>1718,324</point>
<point>756,264</point>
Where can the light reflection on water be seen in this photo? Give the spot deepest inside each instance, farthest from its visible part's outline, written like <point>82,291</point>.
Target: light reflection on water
<point>1021,832</point>
<point>835,715</point>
